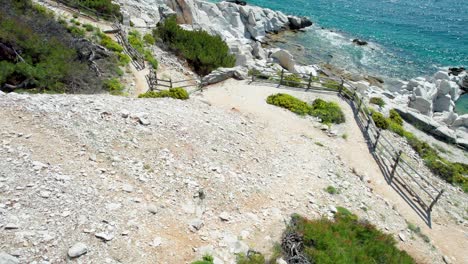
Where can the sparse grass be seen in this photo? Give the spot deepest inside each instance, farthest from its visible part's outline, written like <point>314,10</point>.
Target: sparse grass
<point>449,171</point>
<point>176,93</point>
<point>345,136</point>
<point>88,27</point>
<point>292,80</point>
<point>114,86</point>
<point>416,230</point>
<point>377,101</point>
<point>251,258</point>
<point>319,144</point>
<point>110,44</point>
<point>346,239</point>
<point>331,190</point>
<point>330,84</point>
<point>207,259</point>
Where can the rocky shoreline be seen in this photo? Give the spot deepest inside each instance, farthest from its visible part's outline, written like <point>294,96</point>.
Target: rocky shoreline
<point>427,102</point>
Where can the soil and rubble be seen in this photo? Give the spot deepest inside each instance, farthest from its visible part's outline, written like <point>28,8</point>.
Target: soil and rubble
<point>105,179</point>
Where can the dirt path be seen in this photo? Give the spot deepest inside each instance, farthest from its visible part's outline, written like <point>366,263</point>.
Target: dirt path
<point>448,237</point>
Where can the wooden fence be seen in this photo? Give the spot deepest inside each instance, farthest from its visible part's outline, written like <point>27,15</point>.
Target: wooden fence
<point>402,174</point>
<point>137,59</point>
<point>155,83</point>
<point>77,8</point>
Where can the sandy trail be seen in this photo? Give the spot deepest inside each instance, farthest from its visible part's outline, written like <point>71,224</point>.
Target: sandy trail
<point>449,238</point>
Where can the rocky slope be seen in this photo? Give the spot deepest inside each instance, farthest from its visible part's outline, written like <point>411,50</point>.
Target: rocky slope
<point>117,180</point>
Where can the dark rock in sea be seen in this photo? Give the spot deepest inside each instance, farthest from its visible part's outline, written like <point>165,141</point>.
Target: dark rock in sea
<point>237,2</point>
<point>456,71</point>
<point>299,22</point>
<point>360,42</point>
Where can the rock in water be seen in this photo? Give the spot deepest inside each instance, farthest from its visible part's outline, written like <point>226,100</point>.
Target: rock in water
<point>77,250</point>
<point>360,42</point>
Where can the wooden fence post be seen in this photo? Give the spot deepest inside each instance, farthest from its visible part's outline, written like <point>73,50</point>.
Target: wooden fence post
<point>310,81</point>
<point>368,123</point>
<point>282,74</point>
<point>377,139</point>
<point>170,83</point>
<point>397,160</point>
<point>435,200</point>
<point>253,76</point>
<point>341,86</point>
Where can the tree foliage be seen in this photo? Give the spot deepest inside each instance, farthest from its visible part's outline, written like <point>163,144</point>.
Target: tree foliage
<point>39,54</point>
<point>203,51</point>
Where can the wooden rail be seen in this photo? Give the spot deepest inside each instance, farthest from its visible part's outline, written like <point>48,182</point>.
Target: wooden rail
<point>155,83</point>
<point>399,172</point>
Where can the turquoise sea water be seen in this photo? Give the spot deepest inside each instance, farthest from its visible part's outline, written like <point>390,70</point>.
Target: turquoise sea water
<point>407,38</point>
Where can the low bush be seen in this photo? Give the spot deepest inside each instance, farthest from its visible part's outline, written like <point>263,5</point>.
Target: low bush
<point>380,120</point>
<point>292,80</point>
<point>251,258</point>
<point>176,93</point>
<point>101,7</point>
<point>329,112</point>
<point>113,86</point>
<point>377,101</point>
<point>395,117</point>
<point>149,39</point>
<point>330,84</point>
<point>76,31</point>
<point>152,60</point>
<point>207,259</point>
<point>110,44</point>
<point>331,190</point>
<point>202,51</point>
<point>88,27</point>
<point>290,102</point>
<point>346,239</point>
<point>124,59</point>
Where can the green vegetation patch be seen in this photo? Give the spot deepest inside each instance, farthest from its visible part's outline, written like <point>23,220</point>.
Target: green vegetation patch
<point>292,80</point>
<point>39,54</point>
<point>176,93</point>
<point>329,112</point>
<point>207,259</point>
<point>104,8</point>
<point>203,51</point>
<point>377,101</point>
<point>346,239</point>
<point>114,86</point>
<point>456,173</point>
<point>290,102</point>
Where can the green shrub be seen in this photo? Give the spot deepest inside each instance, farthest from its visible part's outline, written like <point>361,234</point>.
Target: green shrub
<point>330,84</point>
<point>124,59</point>
<point>346,239</point>
<point>329,112</point>
<point>395,128</point>
<point>203,52</point>
<point>207,259</point>
<point>289,102</point>
<point>88,27</point>
<point>395,117</point>
<point>292,80</point>
<point>251,258</point>
<point>379,120</point>
<point>377,101</point>
<point>110,44</point>
<point>331,190</point>
<point>152,60</point>
<point>134,38</point>
<point>149,39</point>
<point>102,7</point>
<point>113,86</point>
<point>176,93</point>
<point>76,31</point>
